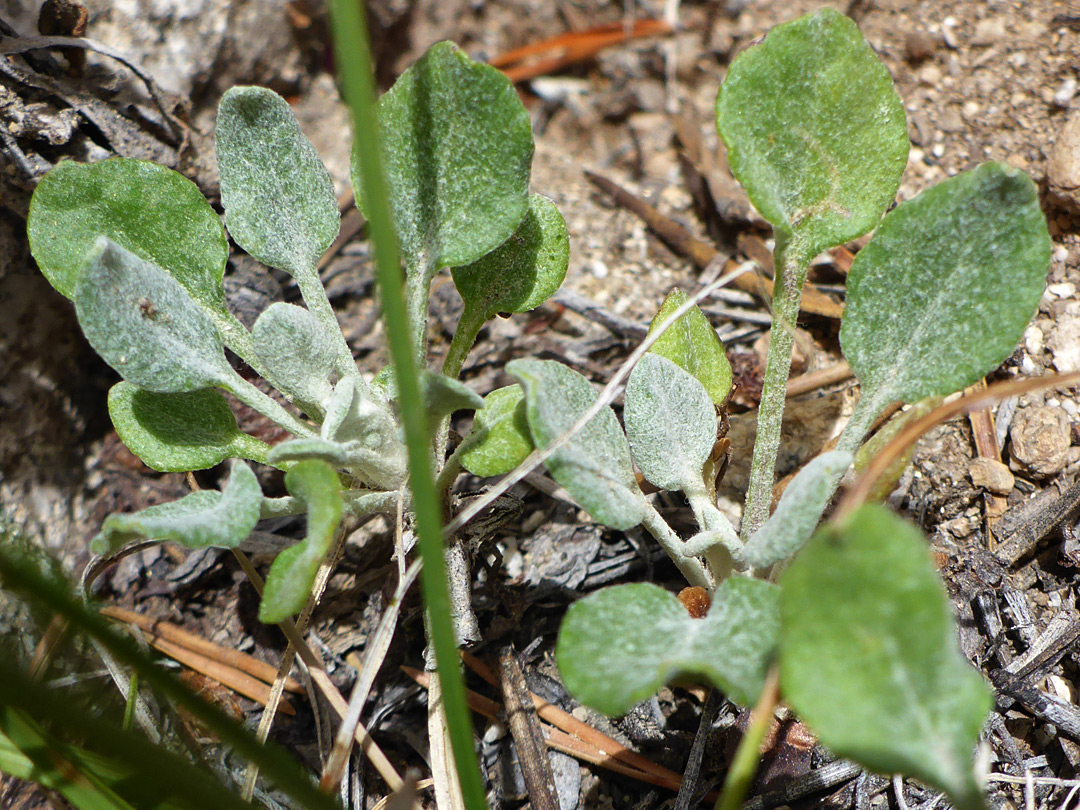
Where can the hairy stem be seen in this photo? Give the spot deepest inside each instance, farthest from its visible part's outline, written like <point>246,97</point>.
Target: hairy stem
<point>263,404</point>
<point>787,292</point>
<point>690,567</point>
<point>318,304</point>
<point>468,328</point>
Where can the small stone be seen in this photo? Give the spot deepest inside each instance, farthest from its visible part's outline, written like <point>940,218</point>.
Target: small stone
<point>971,109</point>
<point>950,121</point>
<point>1033,340</point>
<point>919,45</point>
<point>948,32</point>
<point>988,32</point>
<point>1063,167</point>
<point>1040,441</point>
<point>991,475</point>
<point>1064,340</point>
<point>1064,289</point>
<point>1064,94</point>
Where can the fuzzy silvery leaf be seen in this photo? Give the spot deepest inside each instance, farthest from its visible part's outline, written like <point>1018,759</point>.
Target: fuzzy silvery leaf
<point>145,325</point>
<point>594,465</point>
<point>180,432</point>
<point>289,340</point>
<point>943,292</point>
<point>278,197</point>
<point>500,439</point>
<point>618,646</point>
<point>356,419</point>
<point>692,344</point>
<point>151,211</point>
<point>798,512</point>
<point>288,585</point>
<point>815,130</point>
<point>440,394</point>
<point>670,422</point>
<point>457,148</point>
<point>203,519</point>
<point>524,271</point>
<point>869,656</point>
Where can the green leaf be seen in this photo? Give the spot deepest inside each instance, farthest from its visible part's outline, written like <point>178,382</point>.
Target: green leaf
<point>815,130</point>
<point>619,645</point>
<point>869,656</point>
<point>692,344</point>
<point>798,512</point>
<point>180,432</point>
<point>278,197</point>
<point>670,422</point>
<point>457,148</point>
<point>288,585</point>
<point>202,519</point>
<point>145,325</point>
<point>500,439</point>
<point>292,342</point>
<point>594,465</point>
<point>524,271</point>
<point>155,213</point>
<point>943,292</point>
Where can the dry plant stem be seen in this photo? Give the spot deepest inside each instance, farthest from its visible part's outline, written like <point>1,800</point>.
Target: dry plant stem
<point>607,395</point>
<point>985,434</point>
<point>748,754</point>
<point>447,787</point>
<point>858,493</point>
<point>373,660</point>
<point>318,674</point>
<point>525,729</point>
<point>788,290</point>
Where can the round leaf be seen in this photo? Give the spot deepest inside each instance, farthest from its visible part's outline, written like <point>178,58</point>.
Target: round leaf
<point>594,465</point>
<point>499,440</point>
<point>278,197</point>
<point>670,422</point>
<point>815,130</point>
<point>151,211</point>
<point>457,147</point>
<point>179,432</point>
<point>145,325</point>
<point>869,657</point>
<point>524,271</point>
<point>618,646</point>
<point>692,344</point>
<point>943,292</point>
<point>202,519</point>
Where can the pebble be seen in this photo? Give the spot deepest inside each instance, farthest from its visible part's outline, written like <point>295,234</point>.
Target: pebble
<point>988,32</point>
<point>919,45</point>
<point>1040,441</point>
<point>1064,94</point>
<point>991,475</point>
<point>1063,167</point>
<point>950,121</point>
<point>948,32</point>
<point>1064,340</point>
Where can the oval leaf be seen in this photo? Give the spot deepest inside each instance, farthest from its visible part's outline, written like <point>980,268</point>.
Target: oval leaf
<point>594,465</point>
<point>152,211</point>
<point>457,148</point>
<point>145,325</point>
<point>869,656</point>
<point>670,422</point>
<point>365,427</point>
<point>288,585</point>
<point>180,432</point>
<point>200,520</point>
<point>618,646</point>
<point>943,292</point>
<point>815,130</point>
<point>798,512</point>
<point>524,271</point>
<point>500,438</point>
<point>292,343</point>
<point>692,344</point>
<point>278,197</point>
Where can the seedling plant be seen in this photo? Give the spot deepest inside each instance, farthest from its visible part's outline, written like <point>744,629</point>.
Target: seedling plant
<point>852,614</point>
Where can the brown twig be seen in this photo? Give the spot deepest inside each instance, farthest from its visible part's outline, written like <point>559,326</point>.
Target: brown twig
<point>556,53</point>
<point>680,240</point>
<point>985,434</point>
<point>158,630</point>
<point>525,729</point>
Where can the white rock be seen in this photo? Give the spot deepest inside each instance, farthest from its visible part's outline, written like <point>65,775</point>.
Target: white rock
<point>1064,340</point>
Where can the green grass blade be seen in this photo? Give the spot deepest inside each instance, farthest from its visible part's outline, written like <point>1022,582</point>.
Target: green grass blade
<point>351,46</point>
